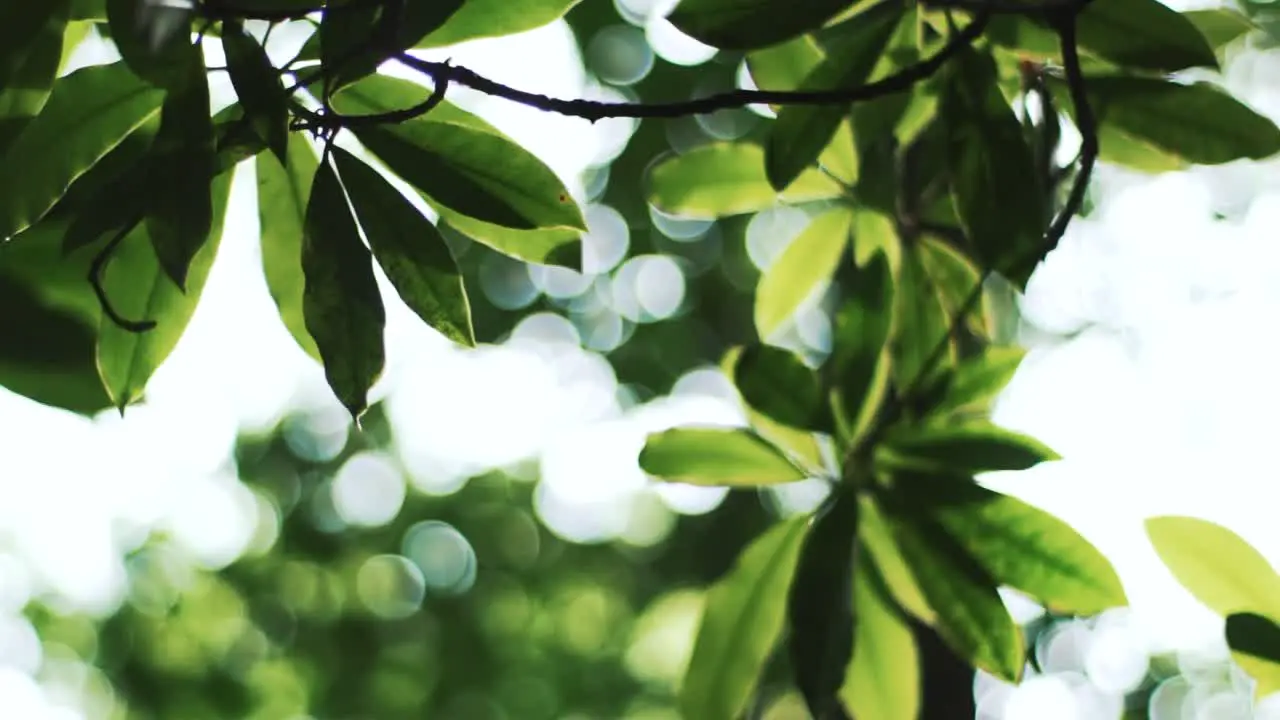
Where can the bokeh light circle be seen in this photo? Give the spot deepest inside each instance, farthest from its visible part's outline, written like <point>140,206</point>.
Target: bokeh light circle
<point>444,556</point>
<point>390,586</point>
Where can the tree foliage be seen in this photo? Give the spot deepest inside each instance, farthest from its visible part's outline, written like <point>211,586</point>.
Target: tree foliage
<point>923,139</point>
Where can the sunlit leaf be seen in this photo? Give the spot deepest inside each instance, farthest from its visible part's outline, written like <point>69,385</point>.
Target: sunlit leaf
<point>1222,570</point>
<point>139,289</point>
<point>920,325</point>
<point>282,205</point>
<point>803,269</point>
<point>720,179</point>
<point>883,680</point>
<point>859,364</point>
<point>716,456</point>
<point>341,303</point>
<point>494,18</point>
<point>89,113</point>
<point>741,621</point>
<point>801,132</point>
<point>1220,26</point>
<point>975,381</point>
<point>410,250</point>
<point>820,606</point>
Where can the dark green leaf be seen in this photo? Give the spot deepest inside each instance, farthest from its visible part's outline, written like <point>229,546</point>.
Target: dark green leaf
<point>721,179</point>
<point>966,448</point>
<point>998,197</point>
<point>1154,124</point>
<point>283,191</point>
<point>777,383</point>
<point>970,616</point>
<point>89,112</point>
<point>95,10</point>
<point>801,445</point>
<point>1222,570</point>
<point>410,250</point>
<point>48,331</point>
<point>495,18</point>
<point>820,609</point>
<point>750,24</point>
<point>741,620</point>
<point>1255,646</point>
<point>955,278</point>
<point>883,679</point>
<point>716,456</point>
<point>801,132</point>
<point>33,44</point>
<point>1143,35</point>
<point>1019,545</point>
<point>858,368</point>
<point>259,88</point>
<point>139,289</point>
<point>356,37</point>
<point>179,206</point>
<point>153,38</point>
<point>341,302</point>
<point>803,269</point>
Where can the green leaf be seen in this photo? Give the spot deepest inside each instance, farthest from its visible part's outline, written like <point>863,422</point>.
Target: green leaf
<point>716,456</point>
<point>1143,35</point>
<point>474,173</point>
<point>89,112</point>
<point>965,448</point>
<point>920,324</point>
<point>341,302</point>
<point>997,195</point>
<point>410,250</point>
<point>357,37</point>
<point>804,268</point>
<point>153,39</point>
<point>495,18</point>
<point>258,86</point>
<point>820,608</point>
<point>29,62</point>
<point>1220,26</point>
<point>48,331</point>
<point>800,133</point>
<point>777,383</point>
<point>95,10</point>
<point>750,24</point>
<point>785,65</point>
<point>1153,124</point>
<point>876,537</point>
<point>1019,545</point>
<point>544,247</point>
<point>283,191</point>
<point>139,289</point>
<point>741,621</point>
<point>179,206</point>
<point>801,445</point>
<point>883,680</point>
<point>1255,646</point>
<point>976,381</point>
<point>719,179</point>
<point>1222,570</point>
<point>955,278</point>
<point>859,364</point>
<point>970,616</point>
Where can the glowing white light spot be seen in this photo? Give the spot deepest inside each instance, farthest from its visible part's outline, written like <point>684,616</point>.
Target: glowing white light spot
<point>368,490</point>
